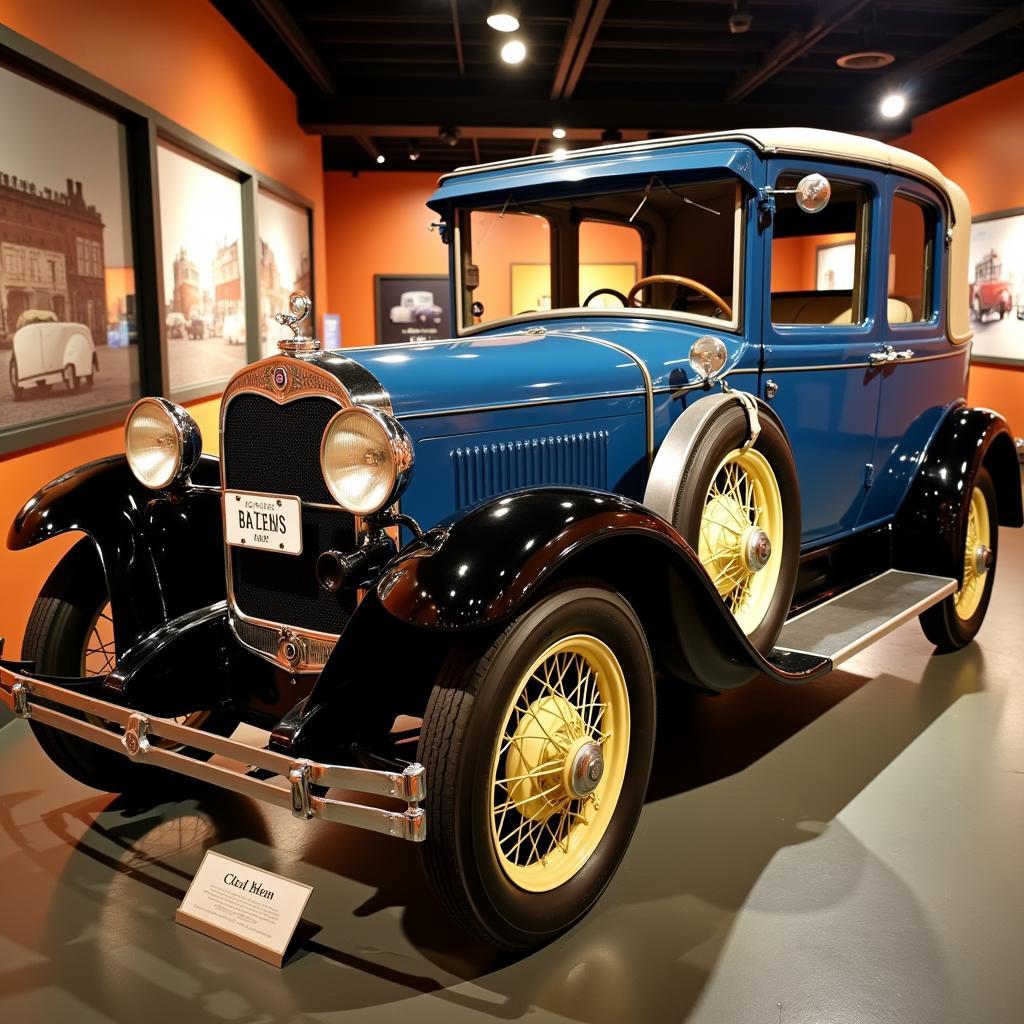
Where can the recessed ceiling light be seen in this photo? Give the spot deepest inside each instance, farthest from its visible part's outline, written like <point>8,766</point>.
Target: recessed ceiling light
<point>558,133</point>
<point>865,60</point>
<point>380,158</point>
<point>893,105</point>
<point>513,51</point>
<point>502,18</point>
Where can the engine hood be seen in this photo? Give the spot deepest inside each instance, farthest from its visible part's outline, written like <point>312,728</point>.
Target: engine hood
<point>498,371</point>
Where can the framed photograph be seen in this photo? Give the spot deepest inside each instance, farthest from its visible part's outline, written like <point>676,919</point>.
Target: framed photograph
<point>284,262</point>
<point>68,330</point>
<point>203,270</point>
<point>834,267</point>
<point>996,273</point>
<point>412,307</point>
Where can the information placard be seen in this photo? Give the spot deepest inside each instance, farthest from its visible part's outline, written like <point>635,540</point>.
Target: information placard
<point>251,909</point>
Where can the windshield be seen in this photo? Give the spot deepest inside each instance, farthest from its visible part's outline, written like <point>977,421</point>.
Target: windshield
<point>530,255</point>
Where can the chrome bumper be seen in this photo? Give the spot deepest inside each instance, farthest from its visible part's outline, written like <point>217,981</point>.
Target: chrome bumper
<point>132,733</point>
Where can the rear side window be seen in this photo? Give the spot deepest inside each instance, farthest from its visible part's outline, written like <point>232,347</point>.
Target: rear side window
<point>819,259</point>
<point>911,261</point>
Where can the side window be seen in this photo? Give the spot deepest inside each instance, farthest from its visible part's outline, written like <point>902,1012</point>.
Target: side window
<point>911,261</point>
<point>611,261</point>
<point>819,259</point>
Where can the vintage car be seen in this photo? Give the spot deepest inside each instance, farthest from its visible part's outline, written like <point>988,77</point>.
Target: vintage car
<point>991,291</point>
<point>46,351</point>
<point>234,329</point>
<point>177,325</point>
<point>196,327</point>
<point>730,474</point>
<point>416,308</point>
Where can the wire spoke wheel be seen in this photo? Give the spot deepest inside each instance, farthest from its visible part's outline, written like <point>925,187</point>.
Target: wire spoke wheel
<point>559,763</point>
<point>741,535</point>
<point>979,535</point>
<point>99,658</point>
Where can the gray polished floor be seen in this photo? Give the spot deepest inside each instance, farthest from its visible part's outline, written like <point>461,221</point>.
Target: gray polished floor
<point>849,851</point>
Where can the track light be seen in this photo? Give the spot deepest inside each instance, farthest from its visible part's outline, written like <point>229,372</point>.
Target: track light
<point>448,135</point>
<point>513,52</point>
<point>380,158</point>
<point>893,105</point>
<point>504,17</point>
<point>558,133</point>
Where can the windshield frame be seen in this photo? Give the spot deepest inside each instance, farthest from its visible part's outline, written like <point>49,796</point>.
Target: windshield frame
<point>462,305</point>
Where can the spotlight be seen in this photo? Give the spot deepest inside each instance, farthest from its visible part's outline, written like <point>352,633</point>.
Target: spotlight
<point>893,105</point>
<point>513,52</point>
<point>504,17</point>
<point>559,153</point>
<point>741,19</point>
<point>449,135</point>
<point>380,158</point>
<point>558,133</point>
<point>414,151</point>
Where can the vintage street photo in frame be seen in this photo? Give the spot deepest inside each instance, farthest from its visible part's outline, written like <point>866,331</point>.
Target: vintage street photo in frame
<point>834,265</point>
<point>202,262</point>
<point>995,270</point>
<point>68,334</point>
<point>412,307</point>
<point>285,265</point>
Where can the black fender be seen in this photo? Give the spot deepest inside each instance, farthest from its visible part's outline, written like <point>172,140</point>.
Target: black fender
<point>928,533</point>
<point>472,573</point>
<point>162,552</point>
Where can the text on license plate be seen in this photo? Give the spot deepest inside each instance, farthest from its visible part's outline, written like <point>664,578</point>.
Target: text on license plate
<point>270,522</point>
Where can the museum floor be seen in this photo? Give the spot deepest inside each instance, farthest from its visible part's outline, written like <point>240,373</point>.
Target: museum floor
<point>848,851</point>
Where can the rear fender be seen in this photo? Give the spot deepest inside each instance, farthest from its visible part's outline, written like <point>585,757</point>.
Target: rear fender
<point>929,528</point>
<point>162,551</point>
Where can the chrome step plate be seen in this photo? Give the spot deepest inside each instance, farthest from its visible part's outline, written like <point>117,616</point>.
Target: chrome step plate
<point>845,625</point>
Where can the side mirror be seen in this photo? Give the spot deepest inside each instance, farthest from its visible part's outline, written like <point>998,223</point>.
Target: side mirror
<point>813,192</point>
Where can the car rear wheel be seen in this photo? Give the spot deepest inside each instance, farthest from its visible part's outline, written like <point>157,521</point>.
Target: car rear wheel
<point>12,373</point>
<point>739,508</point>
<point>954,622</point>
<point>538,751</point>
<point>70,632</point>
<point>71,379</point>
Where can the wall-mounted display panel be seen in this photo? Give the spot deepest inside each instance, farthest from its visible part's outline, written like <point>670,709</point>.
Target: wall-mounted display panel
<point>284,263</point>
<point>203,270</point>
<point>412,307</point>
<point>68,333</point>
<point>996,273</point>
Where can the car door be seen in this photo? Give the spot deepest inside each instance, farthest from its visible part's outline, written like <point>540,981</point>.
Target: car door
<point>922,371</point>
<point>819,331</point>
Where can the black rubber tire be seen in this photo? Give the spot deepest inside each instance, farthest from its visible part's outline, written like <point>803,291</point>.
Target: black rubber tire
<point>58,627</point>
<point>723,434</point>
<point>12,374</point>
<point>941,623</point>
<point>71,379</point>
<point>465,713</point>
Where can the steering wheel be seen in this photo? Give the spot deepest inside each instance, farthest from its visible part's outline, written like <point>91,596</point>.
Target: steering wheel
<point>685,282</point>
<point>606,291</point>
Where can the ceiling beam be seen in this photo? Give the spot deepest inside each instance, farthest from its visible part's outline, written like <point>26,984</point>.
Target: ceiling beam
<point>579,62</point>
<point>828,16</point>
<point>579,41</point>
<point>458,37</point>
<point>480,117</point>
<point>285,26</point>
<point>1003,21</point>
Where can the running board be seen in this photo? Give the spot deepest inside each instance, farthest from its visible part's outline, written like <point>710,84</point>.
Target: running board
<point>845,625</point>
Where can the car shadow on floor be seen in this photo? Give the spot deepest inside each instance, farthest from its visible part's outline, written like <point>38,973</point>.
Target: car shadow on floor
<point>736,779</point>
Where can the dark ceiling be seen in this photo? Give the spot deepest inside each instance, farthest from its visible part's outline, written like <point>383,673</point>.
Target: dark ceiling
<point>386,77</point>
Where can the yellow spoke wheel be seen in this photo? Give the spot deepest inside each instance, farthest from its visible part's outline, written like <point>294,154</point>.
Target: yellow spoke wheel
<point>559,763</point>
<point>979,535</point>
<point>741,535</point>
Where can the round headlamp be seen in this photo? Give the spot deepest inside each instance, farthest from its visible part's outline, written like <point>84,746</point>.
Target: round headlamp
<point>366,457</point>
<point>162,443</point>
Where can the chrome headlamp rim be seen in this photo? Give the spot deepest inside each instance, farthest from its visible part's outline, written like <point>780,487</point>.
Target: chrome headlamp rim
<point>401,450</point>
<point>188,437</point>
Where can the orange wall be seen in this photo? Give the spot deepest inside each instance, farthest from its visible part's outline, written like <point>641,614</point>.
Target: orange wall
<point>184,60</point>
<point>978,141</point>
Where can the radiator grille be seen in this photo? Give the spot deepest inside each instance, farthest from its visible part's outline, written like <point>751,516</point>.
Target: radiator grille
<point>486,470</point>
<point>276,449</point>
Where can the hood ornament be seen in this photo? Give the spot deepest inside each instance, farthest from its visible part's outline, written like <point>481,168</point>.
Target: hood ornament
<point>299,344</point>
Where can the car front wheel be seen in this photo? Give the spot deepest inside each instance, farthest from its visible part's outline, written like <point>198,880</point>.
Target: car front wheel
<point>538,751</point>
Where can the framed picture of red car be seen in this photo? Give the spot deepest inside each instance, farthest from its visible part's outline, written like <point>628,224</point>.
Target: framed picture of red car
<point>996,274</point>
<point>411,307</point>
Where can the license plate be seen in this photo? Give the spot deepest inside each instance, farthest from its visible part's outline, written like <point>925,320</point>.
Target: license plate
<point>269,522</point>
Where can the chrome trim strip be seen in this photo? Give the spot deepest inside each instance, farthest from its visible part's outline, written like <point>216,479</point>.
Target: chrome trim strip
<point>133,731</point>
<point>859,366</point>
<point>497,407</point>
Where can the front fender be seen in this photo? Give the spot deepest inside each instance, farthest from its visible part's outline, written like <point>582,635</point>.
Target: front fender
<point>929,529</point>
<point>162,552</point>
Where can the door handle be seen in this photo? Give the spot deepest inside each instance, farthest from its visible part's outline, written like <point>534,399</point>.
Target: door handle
<point>907,353</point>
<point>889,355</point>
